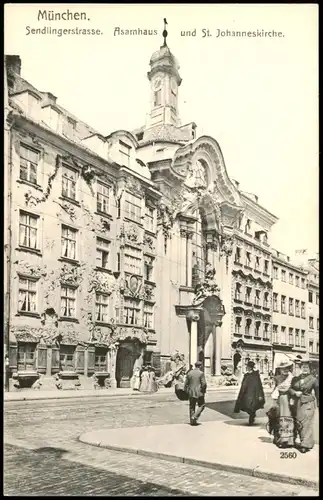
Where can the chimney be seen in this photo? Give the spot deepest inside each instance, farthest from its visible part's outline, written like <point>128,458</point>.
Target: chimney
<point>13,63</point>
<point>48,98</point>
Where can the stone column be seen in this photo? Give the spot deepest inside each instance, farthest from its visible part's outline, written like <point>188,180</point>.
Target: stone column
<point>208,353</point>
<point>86,361</point>
<point>189,237</point>
<point>113,364</point>
<point>218,350</point>
<point>193,342</point>
<point>49,361</point>
<point>183,257</point>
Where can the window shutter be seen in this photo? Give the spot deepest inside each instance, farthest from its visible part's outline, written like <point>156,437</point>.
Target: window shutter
<point>41,359</point>
<point>13,357</point>
<point>91,360</point>
<point>79,360</point>
<point>55,359</point>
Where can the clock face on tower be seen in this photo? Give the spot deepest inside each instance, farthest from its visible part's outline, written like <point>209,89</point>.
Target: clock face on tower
<point>157,84</point>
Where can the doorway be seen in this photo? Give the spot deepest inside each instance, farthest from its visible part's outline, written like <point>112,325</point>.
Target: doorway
<point>127,354</point>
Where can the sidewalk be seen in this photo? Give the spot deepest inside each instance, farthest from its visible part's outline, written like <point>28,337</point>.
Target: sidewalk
<point>230,445</point>
<point>34,394</point>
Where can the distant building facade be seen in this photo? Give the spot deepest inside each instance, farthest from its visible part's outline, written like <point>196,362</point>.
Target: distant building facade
<point>122,249</point>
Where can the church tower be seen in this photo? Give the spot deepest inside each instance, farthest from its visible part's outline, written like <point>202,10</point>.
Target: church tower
<point>164,82</point>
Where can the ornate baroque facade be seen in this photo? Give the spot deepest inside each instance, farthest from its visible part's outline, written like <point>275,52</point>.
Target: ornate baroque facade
<point>124,248</point>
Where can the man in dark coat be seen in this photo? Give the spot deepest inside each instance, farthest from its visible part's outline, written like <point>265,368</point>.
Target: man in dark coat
<point>195,387</point>
<point>251,396</point>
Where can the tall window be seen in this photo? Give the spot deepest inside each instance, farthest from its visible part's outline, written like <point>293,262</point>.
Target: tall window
<point>311,346</point>
<point>132,260</point>
<point>297,308</point>
<point>303,282</point>
<point>275,302</point>
<point>238,320</point>
<point>69,242</point>
<point>283,304</point>
<point>131,312</point>
<point>266,299</point>
<point>28,225</point>
<point>69,178</point>
<point>275,333</point>
<point>27,301</point>
<point>237,295</point>
<point>283,335</point>
<point>132,207</point>
<point>149,268</point>
<point>257,262</point>
<point>26,356</point>
<point>149,219</point>
<point>102,253</point>
<point>266,331</point>
<point>248,259</point>
<point>248,326</point>
<point>266,266</point>
<point>318,323</point>
<point>275,269</point>
<point>101,307</point>
<point>317,347</point>
<point>291,278</point>
<point>238,255</point>
<point>291,306</point>
<point>102,198</point>
<point>100,359</point>
<point>310,297</point>
<point>68,302</point>
<point>317,299</point>
<point>297,337</point>
<point>303,310</point>
<point>29,159</point>
<point>303,338</point>
<point>149,316</point>
<point>297,281</point>
<point>257,298</point>
<point>283,275</point>
<point>157,98</point>
<point>248,294</point>
<point>257,328</point>
<point>125,149</point>
<point>290,336</point>
<point>311,322</point>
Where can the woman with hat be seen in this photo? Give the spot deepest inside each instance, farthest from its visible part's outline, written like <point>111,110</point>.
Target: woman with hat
<point>281,422</point>
<point>251,396</point>
<point>305,389</point>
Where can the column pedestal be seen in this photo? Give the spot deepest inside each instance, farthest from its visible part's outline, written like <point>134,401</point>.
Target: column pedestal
<point>112,366</point>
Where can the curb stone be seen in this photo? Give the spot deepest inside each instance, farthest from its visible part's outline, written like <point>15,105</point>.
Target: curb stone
<point>255,472</point>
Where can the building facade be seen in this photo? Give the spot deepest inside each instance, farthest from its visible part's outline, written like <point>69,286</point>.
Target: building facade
<point>122,249</point>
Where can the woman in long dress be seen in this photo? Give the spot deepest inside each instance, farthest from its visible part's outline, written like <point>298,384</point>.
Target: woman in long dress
<point>280,417</point>
<point>302,388</point>
<point>152,384</point>
<point>144,384</point>
<point>135,379</point>
<point>251,395</point>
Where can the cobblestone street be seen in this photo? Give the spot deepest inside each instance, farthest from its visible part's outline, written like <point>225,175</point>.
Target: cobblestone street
<point>44,457</point>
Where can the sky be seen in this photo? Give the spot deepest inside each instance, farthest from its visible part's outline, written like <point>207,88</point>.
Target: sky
<point>257,96</point>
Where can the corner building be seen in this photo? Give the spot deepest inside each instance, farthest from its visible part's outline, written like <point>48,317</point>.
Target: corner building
<point>123,248</point>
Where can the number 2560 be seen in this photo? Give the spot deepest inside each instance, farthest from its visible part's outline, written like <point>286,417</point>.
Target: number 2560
<point>288,454</point>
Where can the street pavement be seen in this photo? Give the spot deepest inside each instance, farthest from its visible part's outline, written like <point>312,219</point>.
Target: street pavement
<point>43,455</point>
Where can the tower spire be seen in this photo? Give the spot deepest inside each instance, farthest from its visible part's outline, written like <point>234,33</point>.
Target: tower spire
<point>165,32</point>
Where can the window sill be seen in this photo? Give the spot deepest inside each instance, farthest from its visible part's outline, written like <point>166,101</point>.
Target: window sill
<point>236,334</point>
<point>29,250</point>
<point>291,314</point>
<point>71,261</point>
<point>248,267</point>
<point>127,219</point>
<point>128,273</point>
<point>258,306</point>
<point>266,308</point>
<point>275,310</point>
<point>152,233</point>
<point>247,336</point>
<point>29,314</point>
<point>184,288</point>
<point>103,214</point>
<point>239,301</point>
<point>148,282</point>
<point>71,320</point>
<point>238,263</point>
<point>257,271</point>
<point>30,184</point>
<point>283,312</point>
<point>70,200</point>
<point>247,303</point>
<point>103,270</point>
<point>102,323</point>
<point>266,274</point>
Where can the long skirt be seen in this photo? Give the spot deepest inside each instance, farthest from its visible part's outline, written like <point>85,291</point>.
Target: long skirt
<point>305,419</point>
<point>284,428</point>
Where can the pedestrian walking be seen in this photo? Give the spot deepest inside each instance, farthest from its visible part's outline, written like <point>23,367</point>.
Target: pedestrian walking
<point>135,379</point>
<point>152,384</point>
<point>281,421</point>
<point>251,395</point>
<point>305,389</point>
<point>144,384</point>
<point>195,386</point>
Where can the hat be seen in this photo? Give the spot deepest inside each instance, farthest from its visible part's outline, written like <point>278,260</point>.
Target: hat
<point>305,361</point>
<point>250,364</point>
<point>198,363</point>
<point>284,364</point>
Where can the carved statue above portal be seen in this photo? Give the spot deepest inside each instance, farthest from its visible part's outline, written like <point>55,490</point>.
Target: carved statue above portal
<point>132,287</point>
<point>208,287</point>
<point>226,245</point>
<point>31,270</point>
<point>70,275</point>
<point>196,178</point>
<point>101,282</point>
